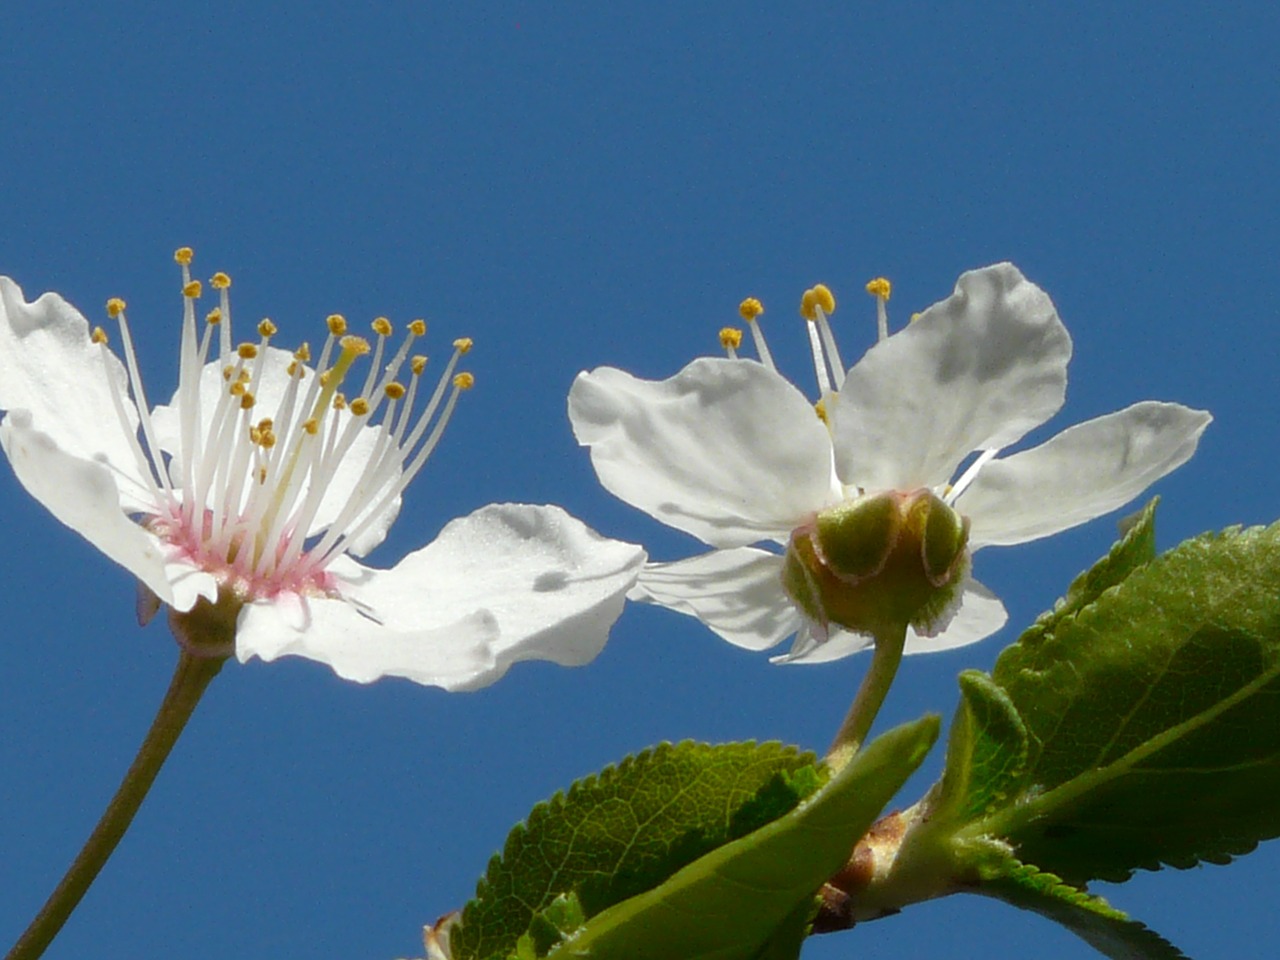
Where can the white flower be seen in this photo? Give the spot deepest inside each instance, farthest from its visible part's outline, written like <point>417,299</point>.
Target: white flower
<point>259,480</point>
<point>730,452</point>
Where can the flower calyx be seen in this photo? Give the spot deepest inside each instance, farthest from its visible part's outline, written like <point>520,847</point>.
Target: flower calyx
<point>879,563</point>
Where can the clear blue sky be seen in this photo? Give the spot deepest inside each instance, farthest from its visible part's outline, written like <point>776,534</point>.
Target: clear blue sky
<point>571,186</point>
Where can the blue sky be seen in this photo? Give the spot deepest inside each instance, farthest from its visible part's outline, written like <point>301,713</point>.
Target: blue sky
<point>573,186</point>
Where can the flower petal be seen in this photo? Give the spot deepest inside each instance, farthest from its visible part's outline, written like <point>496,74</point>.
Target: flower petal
<point>979,615</point>
<point>49,366</point>
<point>737,593</point>
<point>1085,471</point>
<point>726,450</point>
<point>83,495</point>
<point>361,649</point>
<point>839,644</point>
<point>974,372</point>
<point>509,582</point>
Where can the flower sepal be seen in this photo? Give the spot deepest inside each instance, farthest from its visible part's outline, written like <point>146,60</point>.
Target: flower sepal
<point>879,563</point>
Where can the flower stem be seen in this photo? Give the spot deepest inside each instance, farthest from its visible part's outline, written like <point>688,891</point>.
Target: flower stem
<point>875,685</point>
<point>190,678</point>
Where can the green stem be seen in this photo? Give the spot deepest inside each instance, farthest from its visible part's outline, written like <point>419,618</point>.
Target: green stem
<point>190,679</point>
<point>875,685</point>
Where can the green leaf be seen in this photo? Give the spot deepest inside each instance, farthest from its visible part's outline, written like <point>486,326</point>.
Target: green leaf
<point>1091,918</point>
<point>622,832</point>
<point>1136,725</point>
<point>1135,548</point>
<point>754,898</point>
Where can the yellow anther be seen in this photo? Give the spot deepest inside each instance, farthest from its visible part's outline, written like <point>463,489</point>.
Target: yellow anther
<point>247,401</point>
<point>337,324</point>
<point>214,316</point>
<point>247,351</point>
<point>418,328</point>
<point>266,328</point>
<point>382,326</point>
<point>183,255</point>
<point>115,307</point>
<point>915,317</point>
<point>394,391</point>
<point>192,289</point>
<point>312,426</point>
<point>238,389</point>
<point>268,440</point>
<point>809,304</point>
<point>294,368</point>
<point>356,346</point>
<point>266,423</point>
<point>359,406</point>
<point>325,377</point>
<point>243,376</point>
<point>462,344</point>
<point>339,401</point>
<point>303,353</point>
<point>99,335</point>
<point>262,474</point>
<point>731,338</point>
<point>880,287</point>
<point>824,298</point>
<point>227,371</point>
<point>255,436</point>
<point>820,408</point>
<point>418,364</point>
<point>464,381</point>
<point>750,308</point>
<point>220,281</point>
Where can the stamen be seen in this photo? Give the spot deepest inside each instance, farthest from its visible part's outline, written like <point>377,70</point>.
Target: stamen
<point>880,288</point>
<point>99,336</point>
<point>382,327</point>
<point>966,478</point>
<point>823,306</point>
<point>750,310</point>
<point>731,340</point>
<point>809,310</point>
<point>116,306</point>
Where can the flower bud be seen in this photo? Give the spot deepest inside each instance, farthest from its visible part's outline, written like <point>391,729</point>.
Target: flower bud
<point>878,563</point>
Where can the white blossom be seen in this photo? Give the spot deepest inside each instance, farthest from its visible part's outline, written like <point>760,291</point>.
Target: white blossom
<point>260,481</point>
<point>731,452</point>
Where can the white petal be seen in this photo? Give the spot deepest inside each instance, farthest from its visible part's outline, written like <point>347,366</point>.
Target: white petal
<point>273,382</point>
<point>974,372</point>
<point>808,649</point>
<point>509,582</point>
<point>83,495</point>
<point>360,649</point>
<point>979,615</point>
<point>726,450</point>
<point>49,366</point>
<point>737,593</point>
<point>1085,471</point>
